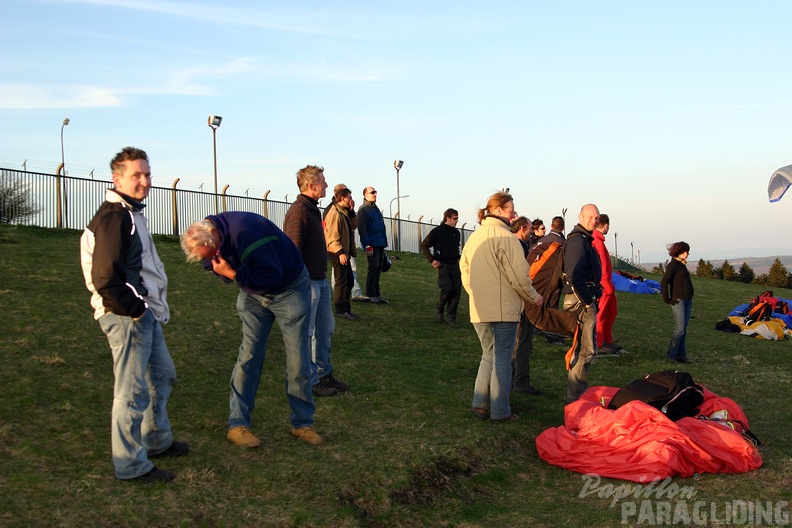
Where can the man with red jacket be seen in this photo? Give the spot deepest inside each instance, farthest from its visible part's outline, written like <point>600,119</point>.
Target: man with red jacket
<point>606,308</point>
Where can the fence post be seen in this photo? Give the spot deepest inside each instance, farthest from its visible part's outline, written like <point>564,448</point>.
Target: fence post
<point>224,197</point>
<point>58,212</point>
<point>174,208</point>
<point>266,205</point>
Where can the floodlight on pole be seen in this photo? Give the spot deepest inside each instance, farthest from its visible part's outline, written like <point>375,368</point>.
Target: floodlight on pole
<point>214,124</point>
<point>63,157</point>
<point>397,164</point>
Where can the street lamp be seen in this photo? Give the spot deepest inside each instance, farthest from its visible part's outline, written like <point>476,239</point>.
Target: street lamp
<point>63,158</point>
<point>391,204</point>
<point>397,164</point>
<point>214,124</point>
<point>616,242</point>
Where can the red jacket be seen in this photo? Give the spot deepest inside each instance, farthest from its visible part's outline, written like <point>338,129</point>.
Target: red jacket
<point>605,262</point>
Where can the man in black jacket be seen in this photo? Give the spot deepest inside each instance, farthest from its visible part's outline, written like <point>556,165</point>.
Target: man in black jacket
<point>444,257</point>
<point>582,274</point>
<point>128,286</point>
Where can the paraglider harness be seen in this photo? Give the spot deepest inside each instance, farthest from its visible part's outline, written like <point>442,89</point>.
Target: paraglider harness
<point>763,306</point>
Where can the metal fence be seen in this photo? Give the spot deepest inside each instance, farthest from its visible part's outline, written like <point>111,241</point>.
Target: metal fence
<point>50,200</point>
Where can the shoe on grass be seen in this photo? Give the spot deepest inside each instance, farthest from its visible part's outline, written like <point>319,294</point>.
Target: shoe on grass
<point>176,449</point>
<point>307,434</point>
<point>330,381</point>
<point>243,437</point>
<point>528,389</point>
<point>360,298</point>
<point>155,474</point>
<point>320,390</point>
<point>450,321</point>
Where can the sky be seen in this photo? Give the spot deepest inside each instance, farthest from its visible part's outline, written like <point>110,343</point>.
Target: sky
<point>669,116</point>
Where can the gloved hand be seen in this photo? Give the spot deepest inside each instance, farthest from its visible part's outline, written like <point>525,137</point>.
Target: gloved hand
<point>369,251</point>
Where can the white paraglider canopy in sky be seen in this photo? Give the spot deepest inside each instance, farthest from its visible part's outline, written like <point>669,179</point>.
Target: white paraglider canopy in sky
<point>779,183</point>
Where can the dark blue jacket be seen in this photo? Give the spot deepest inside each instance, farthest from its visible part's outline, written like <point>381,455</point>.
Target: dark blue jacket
<point>582,269</point>
<point>266,261</point>
<point>371,226</point>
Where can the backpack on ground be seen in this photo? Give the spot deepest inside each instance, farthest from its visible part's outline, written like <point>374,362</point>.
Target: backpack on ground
<point>763,306</point>
<point>674,393</point>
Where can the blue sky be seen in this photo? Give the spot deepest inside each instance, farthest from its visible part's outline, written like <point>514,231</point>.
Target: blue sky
<point>670,116</point>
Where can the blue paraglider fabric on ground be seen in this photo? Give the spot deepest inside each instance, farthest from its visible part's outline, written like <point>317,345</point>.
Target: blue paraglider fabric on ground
<point>624,284</point>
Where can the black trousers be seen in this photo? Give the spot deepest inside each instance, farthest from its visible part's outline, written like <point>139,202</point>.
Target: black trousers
<point>449,280</point>
<point>374,271</point>
<point>342,291</point>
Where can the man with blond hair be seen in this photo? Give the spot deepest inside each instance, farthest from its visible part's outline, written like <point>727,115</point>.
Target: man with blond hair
<point>303,225</point>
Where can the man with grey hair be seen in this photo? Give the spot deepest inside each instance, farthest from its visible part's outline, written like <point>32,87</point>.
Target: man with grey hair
<point>357,292</point>
<point>303,225</point>
<point>250,250</point>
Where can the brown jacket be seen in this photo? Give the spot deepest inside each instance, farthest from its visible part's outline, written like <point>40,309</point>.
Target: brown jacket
<point>339,230</point>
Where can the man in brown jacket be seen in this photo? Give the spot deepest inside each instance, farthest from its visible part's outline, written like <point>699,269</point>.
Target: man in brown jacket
<point>339,228</point>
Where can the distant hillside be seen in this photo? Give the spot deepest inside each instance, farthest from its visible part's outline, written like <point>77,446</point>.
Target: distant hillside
<point>758,264</point>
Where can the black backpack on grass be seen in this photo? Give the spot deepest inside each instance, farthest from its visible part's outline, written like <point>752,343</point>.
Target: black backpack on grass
<point>673,393</point>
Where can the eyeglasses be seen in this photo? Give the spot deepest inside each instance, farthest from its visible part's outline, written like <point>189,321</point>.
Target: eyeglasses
<point>454,218</point>
<point>540,228</point>
<point>372,192</point>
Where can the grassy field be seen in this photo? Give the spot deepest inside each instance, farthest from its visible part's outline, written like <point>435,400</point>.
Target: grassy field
<point>401,448</point>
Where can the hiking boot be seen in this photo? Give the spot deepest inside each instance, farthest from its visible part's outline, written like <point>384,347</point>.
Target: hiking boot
<point>374,300</point>
<point>320,390</point>
<point>242,437</point>
<point>330,381</point>
<point>440,318</point>
<point>451,321</point>
<point>154,475</point>
<point>480,412</point>
<point>307,434</point>
<point>527,389</point>
<point>380,300</point>
<point>615,346</point>
<point>176,449</point>
<point>607,350</point>
<point>348,315</point>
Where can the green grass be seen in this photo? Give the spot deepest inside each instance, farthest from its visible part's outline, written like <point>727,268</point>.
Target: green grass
<point>401,448</point>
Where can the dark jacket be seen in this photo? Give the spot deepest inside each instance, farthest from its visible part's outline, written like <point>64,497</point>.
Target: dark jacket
<point>582,270</point>
<point>264,258</point>
<point>676,283</point>
<point>444,241</point>
<point>371,226</point>
<point>121,267</point>
<point>303,225</point>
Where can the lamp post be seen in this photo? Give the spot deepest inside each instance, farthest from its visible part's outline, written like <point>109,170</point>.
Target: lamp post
<point>632,253</point>
<point>616,244</point>
<point>63,158</point>
<point>391,204</point>
<point>214,124</point>
<point>397,164</point>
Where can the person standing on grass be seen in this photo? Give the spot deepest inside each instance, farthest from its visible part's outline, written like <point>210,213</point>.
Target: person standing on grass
<point>274,286</point>
<point>303,225</point>
<point>373,237</point>
<point>582,274</point>
<point>129,291</point>
<point>357,292</point>
<point>339,228</point>
<point>606,307</point>
<point>677,290</point>
<point>495,276</point>
<point>523,347</point>
<point>444,257</point>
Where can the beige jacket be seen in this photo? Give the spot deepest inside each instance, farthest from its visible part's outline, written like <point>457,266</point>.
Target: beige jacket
<point>337,233</point>
<point>495,274</point>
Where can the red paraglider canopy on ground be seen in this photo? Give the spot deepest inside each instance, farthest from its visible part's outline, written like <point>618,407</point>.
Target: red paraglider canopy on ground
<point>639,443</point>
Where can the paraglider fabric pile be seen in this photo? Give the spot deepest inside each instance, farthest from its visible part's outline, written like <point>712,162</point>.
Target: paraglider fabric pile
<point>639,443</point>
<point>778,327</point>
<point>634,285</point>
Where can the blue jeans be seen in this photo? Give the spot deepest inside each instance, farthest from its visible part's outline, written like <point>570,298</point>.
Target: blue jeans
<point>144,375</point>
<point>493,381</point>
<point>290,308</point>
<point>321,328</point>
<point>677,349</point>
